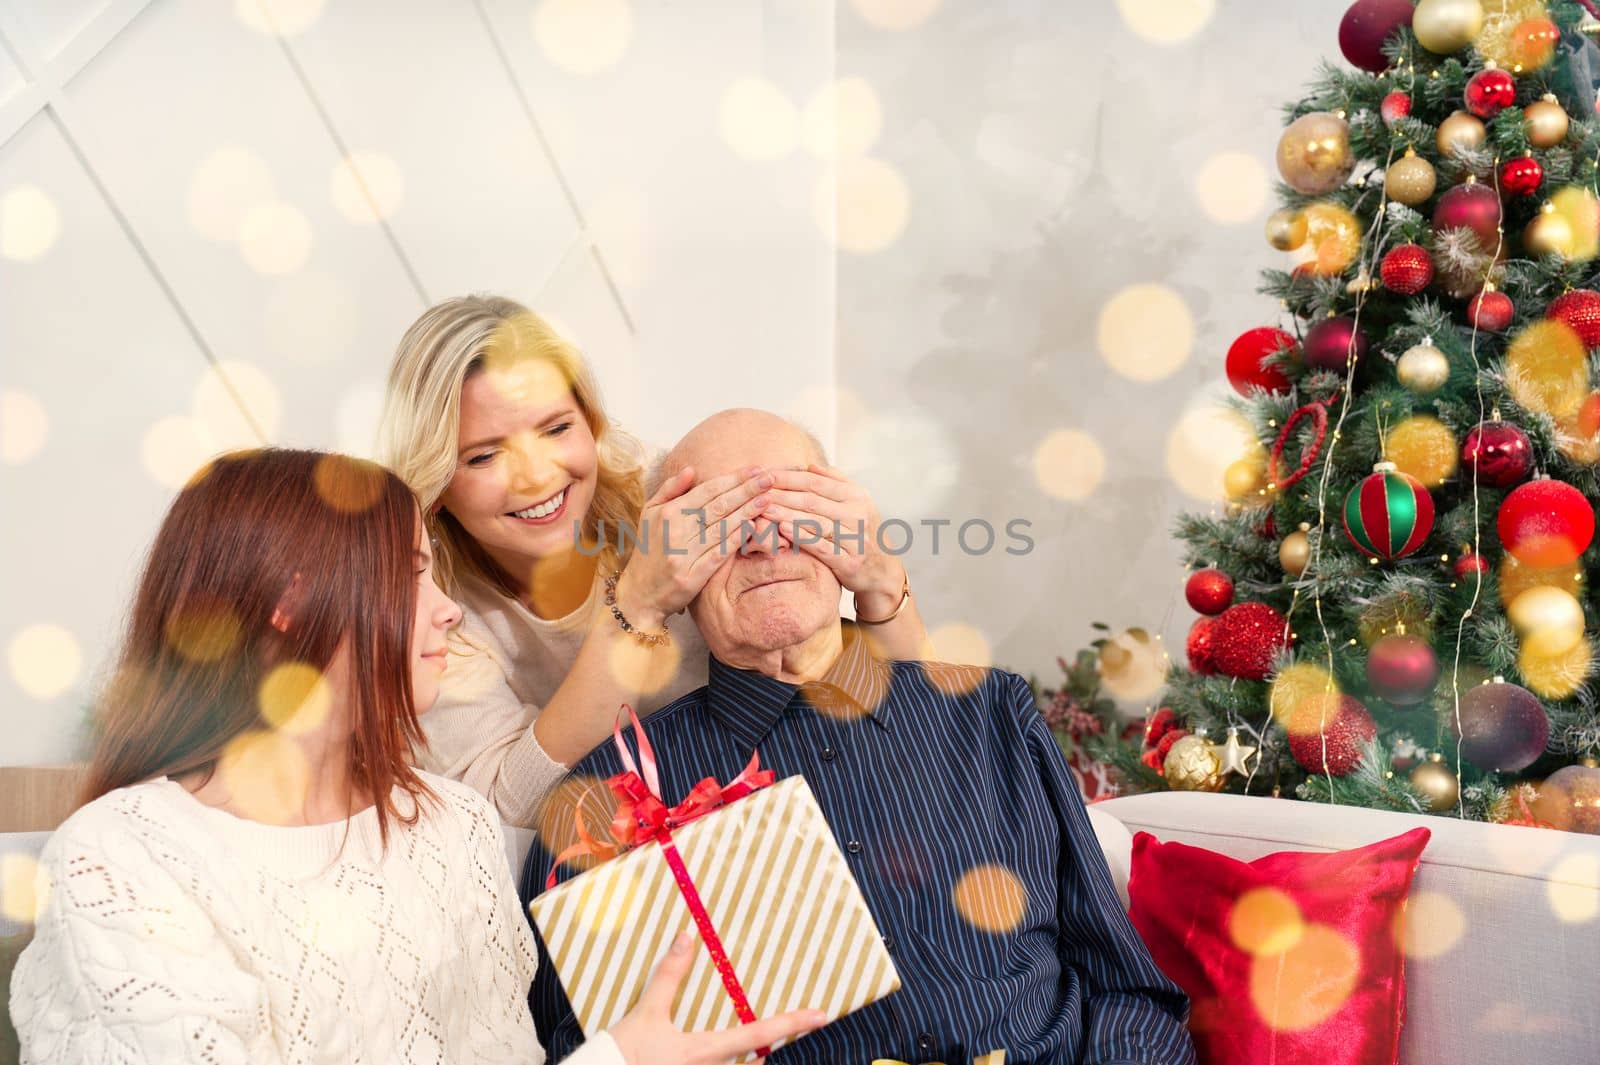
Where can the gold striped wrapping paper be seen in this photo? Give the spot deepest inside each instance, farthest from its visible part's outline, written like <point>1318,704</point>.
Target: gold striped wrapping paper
<point>779,894</point>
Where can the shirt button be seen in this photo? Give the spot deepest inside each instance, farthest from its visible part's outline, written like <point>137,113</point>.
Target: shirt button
<point>829,754</point>
<point>888,943</point>
<point>854,846</point>
<point>924,1042</point>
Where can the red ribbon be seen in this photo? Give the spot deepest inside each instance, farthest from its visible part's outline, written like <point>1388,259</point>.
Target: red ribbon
<point>642,817</point>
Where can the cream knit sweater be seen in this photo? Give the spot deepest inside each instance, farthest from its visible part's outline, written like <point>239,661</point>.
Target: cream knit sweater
<point>504,664</point>
<point>169,931</point>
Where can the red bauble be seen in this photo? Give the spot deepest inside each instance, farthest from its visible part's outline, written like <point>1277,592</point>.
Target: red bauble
<point>1245,638</point>
<point>1521,176</point>
<point>1201,646</point>
<point>1503,727</point>
<point>1545,523</point>
<point>1245,355</point>
<point>1364,28</point>
<point>1402,669</point>
<point>1168,740</point>
<point>1161,722</point>
<point>1470,562</point>
<point>1395,106</point>
<point>1489,92</point>
<point>1471,206</point>
<point>1580,309</point>
<point>1327,733</point>
<point>1209,591</point>
<point>1498,454</point>
<point>1334,343</point>
<point>1406,269</point>
<point>1490,311</point>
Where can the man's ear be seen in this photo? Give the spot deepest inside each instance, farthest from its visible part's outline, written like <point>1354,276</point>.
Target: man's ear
<point>288,605</point>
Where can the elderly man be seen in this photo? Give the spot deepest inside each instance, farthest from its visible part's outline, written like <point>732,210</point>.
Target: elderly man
<point>926,772</point>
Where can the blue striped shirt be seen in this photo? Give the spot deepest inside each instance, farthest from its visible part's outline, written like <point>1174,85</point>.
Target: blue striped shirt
<point>927,772</point>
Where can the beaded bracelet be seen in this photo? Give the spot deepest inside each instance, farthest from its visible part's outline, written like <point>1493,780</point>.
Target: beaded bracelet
<point>649,639</point>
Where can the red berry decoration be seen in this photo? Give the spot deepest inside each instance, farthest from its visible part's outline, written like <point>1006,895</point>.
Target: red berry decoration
<point>1209,591</point>
<point>1498,454</point>
<point>1503,727</point>
<point>1366,26</point>
<point>1168,740</point>
<point>1161,722</point>
<point>1245,366</point>
<point>1580,309</point>
<point>1395,106</point>
<point>1402,669</point>
<point>1245,639</point>
<point>1470,206</point>
<point>1489,92</point>
<point>1521,176</point>
<point>1389,514</point>
<point>1491,311</point>
<point>1201,647</point>
<point>1406,269</point>
<point>1470,563</point>
<point>1333,344</point>
<point>1327,734</point>
<point>1152,761</point>
<point>1545,523</point>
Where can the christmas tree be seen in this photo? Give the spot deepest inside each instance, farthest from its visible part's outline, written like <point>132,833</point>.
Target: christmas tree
<point>1393,609</point>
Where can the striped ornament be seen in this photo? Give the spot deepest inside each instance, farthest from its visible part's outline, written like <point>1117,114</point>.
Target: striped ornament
<point>1389,514</point>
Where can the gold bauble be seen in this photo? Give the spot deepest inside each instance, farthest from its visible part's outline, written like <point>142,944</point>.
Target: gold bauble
<point>1460,132</point>
<point>1547,368</point>
<point>1517,577</point>
<point>1286,229</point>
<point>1569,799</point>
<point>1192,765</point>
<point>1555,676</point>
<point>1423,369</point>
<point>1244,478</point>
<point>1546,122</point>
<point>1425,448</point>
<point>1333,236</point>
<point>1548,234</point>
<point>1447,26</point>
<point>1410,180</point>
<point>1314,153</point>
<point>1439,787</point>
<point>1133,665</point>
<point>1294,553</point>
<point>1549,620</point>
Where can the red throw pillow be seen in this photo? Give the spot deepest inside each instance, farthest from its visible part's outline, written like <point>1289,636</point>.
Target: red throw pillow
<point>1293,958</point>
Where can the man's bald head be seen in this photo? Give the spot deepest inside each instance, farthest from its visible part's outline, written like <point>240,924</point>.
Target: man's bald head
<point>742,429</point>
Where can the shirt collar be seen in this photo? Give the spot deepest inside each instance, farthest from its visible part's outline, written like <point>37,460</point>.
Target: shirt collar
<point>748,703</point>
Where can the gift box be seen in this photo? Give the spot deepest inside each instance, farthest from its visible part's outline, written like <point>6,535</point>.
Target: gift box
<point>793,928</point>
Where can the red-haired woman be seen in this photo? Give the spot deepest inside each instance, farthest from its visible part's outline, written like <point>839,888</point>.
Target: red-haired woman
<point>262,875</point>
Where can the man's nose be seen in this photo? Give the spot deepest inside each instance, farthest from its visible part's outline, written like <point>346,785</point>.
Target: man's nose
<point>763,537</point>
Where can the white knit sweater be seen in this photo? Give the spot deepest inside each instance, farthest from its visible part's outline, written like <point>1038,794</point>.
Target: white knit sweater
<point>504,664</point>
<point>169,931</point>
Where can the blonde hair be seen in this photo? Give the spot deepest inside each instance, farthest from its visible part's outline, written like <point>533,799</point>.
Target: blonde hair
<point>419,438</point>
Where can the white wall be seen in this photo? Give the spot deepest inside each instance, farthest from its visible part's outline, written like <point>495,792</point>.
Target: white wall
<point>168,200</point>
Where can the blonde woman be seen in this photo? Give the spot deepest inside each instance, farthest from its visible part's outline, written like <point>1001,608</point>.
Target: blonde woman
<point>571,581</point>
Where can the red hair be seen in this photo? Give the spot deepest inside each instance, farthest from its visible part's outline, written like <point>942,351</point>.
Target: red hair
<point>325,541</point>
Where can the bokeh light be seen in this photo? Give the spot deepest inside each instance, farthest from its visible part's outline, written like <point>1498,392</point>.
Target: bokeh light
<point>282,17</point>
<point>29,223</point>
<point>1298,683</point>
<point>1549,619</point>
<point>1424,447</point>
<point>174,448</point>
<point>1499,38</point>
<point>583,36</point>
<point>45,660</point>
<point>1203,444</point>
<point>1556,675</point>
<point>991,898</point>
<point>1333,239</point>
<point>1265,922</point>
<point>1571,888</point>
<point>219,414</point>
<point>1581,210</point>
<point>348,487</point>
<point>843,119</point>
<point>23,890</point>
<point>1547,369</point>
<point>225,185</point>
<point>265,775</point>
<point>1133,665</point>
<point>295,698</point>
<point>895,14</point>
<point>275,238</point>
<point>1306,984</point>
<point>863,208</point>
<point>24,425</point>
<point>518,377</point>
<point>1166,21</point>
<point>954,646</point>
<point>1231,187</point>
<point>203,632</point>
<point>758,121</point>
<point>1145,332</point>
<point>554,821</point>
<point>367,186</point>
<point>1068,464</point>
<point>639,667</point>
<point>1430,925</point>
<point>1517,577</point>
